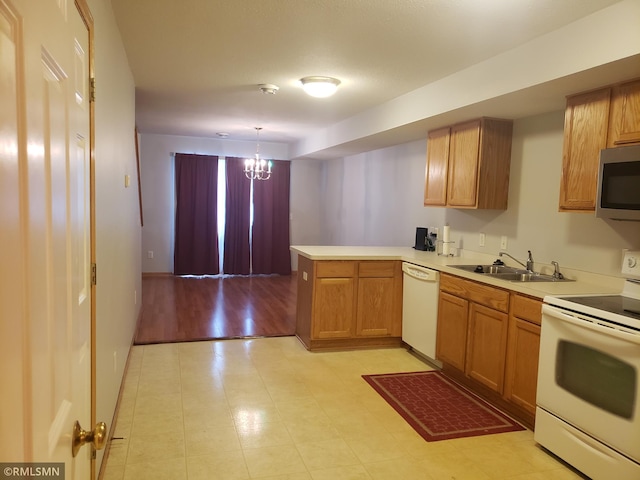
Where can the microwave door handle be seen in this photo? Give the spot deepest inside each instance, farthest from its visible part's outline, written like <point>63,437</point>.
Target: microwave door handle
<point>587,325</point>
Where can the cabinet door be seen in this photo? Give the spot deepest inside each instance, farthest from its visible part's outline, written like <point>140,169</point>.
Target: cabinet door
<point>462,188</point>
<point>624,121</point>
<point>585,134</point>
<point>451,336</point>
<point>521,374</point>
<point>435,181</point>
<point>376,307</point>
<point>334,307</point>
<point>487,346</point>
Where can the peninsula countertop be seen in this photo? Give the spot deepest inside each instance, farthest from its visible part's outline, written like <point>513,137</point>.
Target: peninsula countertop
<point>583,282</point>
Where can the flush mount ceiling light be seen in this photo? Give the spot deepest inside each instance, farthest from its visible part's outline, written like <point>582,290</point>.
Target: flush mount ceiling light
<point>268,88</point>
<point>320,87</point>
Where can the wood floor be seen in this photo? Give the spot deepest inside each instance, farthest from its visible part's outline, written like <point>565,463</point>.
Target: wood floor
<point>182,309</point>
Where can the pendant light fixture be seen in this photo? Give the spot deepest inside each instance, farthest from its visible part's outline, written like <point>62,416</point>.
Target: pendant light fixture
<point>257,168</point>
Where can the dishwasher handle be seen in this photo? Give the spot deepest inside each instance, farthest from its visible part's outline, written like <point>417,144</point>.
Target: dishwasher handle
<point>420,273</point>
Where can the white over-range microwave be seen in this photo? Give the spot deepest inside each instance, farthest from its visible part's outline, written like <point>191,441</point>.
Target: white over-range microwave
<point>618,195</point>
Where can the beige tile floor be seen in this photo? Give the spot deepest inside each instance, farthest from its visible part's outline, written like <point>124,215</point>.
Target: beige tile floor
<point>267,408</point>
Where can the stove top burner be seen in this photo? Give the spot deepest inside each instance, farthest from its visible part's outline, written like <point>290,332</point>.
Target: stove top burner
<point>618,304</point>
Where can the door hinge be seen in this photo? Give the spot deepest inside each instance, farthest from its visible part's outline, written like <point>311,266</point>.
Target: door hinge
<point>94,275</point>
<point>92,89</point>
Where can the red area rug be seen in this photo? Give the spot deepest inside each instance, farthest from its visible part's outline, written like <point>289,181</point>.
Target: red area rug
<point>437,408</point>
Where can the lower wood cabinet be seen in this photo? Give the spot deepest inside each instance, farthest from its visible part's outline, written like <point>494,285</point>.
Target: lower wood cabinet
<point>334,307</point>
<point>379,309</point>
<point>349,304</point>
<point>453,326</point>
<point>521,373</point>
<point>489,339</point>
<point>487,345</point>
<point>472,329</point>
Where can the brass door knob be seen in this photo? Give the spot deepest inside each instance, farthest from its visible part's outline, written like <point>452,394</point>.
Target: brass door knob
<point>97,437</point>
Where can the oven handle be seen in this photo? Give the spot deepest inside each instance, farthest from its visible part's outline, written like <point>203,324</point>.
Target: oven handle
<point>588,325</point>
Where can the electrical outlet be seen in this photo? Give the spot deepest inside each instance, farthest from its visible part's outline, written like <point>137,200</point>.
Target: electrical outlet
<point>304,275</point>
<point>481,240</point>
<point>150,254</point>
<point>503,242</point>
<point>631,263</point>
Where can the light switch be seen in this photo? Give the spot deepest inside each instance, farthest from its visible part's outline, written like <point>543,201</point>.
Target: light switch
<point>127,181</point>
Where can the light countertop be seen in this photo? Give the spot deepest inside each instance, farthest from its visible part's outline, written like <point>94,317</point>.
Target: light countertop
<point>585,282</point>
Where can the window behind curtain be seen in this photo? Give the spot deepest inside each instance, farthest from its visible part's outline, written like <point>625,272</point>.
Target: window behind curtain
<point>237,254</point>
<point>196,235</point>
<point>270,231</point>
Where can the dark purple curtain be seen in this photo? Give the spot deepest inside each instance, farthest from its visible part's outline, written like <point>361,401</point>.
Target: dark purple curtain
<point>196,236</point>
<point>270,232</point>
<point>237,208</point>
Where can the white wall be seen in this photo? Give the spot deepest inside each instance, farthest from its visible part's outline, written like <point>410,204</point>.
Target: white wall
<point>117,212</point>
<point>376,199</point>
<point>305,205</point>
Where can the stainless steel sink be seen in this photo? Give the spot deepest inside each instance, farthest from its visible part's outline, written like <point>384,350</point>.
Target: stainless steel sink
<point>527,277</point>
<point>488,269</point>
<point>509,274</point>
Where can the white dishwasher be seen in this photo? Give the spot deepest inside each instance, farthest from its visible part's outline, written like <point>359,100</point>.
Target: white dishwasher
<point>420,309</point>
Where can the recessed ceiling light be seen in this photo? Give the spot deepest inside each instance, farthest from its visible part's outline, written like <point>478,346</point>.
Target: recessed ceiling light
<point>320,87</point>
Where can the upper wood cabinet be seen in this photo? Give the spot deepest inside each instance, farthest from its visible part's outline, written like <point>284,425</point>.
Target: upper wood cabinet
<point>624,121</point>
<point>435,178</point>
<point>608,117</point>
<point>585,134</point>
<point>468,165</point>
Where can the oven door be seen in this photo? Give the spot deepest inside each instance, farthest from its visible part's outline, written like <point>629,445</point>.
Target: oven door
<point>588,375</point>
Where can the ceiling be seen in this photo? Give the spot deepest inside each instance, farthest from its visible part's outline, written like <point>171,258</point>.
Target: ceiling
<point>197,64</point>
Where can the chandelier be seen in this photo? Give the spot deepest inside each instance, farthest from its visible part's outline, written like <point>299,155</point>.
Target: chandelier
<point>257,168</point>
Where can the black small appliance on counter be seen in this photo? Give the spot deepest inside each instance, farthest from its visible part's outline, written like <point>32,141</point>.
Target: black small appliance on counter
<point>424,240</point>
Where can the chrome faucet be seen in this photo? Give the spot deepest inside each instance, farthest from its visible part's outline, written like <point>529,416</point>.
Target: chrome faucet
<point>528,266</point>
<point>556,271</point>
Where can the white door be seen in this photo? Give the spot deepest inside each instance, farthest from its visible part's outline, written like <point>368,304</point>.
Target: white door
<point>45,232</point>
